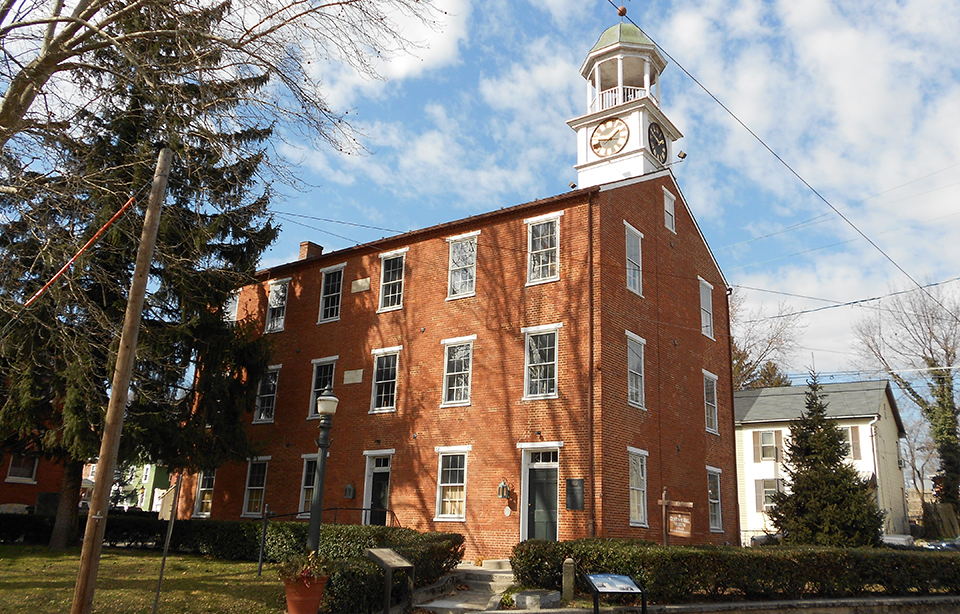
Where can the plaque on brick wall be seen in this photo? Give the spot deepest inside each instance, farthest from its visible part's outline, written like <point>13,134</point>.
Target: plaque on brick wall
<point>575,494</point>
<point>360,285</point>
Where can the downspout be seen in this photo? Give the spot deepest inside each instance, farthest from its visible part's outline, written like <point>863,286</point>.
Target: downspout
<point>876,460</point>
<point>592,379</point>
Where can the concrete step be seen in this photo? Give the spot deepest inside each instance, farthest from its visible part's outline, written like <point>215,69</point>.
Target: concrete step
<point>477,589</point>
<point>497,564</point>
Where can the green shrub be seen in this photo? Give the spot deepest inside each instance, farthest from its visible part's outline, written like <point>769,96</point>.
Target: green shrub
<point>705,573</point>
<point>30,528</point>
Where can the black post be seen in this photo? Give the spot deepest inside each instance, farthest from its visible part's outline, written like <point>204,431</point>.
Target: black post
<point>316,505</point>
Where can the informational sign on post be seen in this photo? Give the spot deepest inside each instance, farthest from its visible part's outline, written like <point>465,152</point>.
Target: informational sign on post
<point>612,583</point>
<point>680,523</point>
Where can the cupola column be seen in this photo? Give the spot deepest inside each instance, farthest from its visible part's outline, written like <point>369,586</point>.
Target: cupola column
<point>646,77</point>
<point>590,91</point>
<point>620,98</point>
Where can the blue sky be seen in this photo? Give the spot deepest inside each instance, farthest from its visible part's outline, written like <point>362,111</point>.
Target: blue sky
<point>861,98</point>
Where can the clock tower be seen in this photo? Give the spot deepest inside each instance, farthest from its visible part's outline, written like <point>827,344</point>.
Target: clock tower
<point>624,133</point>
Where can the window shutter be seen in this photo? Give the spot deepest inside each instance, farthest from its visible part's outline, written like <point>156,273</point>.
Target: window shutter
<point>779,436</point>
<point>757,455</point>
<point>855,442</point>
<point>759,489</point>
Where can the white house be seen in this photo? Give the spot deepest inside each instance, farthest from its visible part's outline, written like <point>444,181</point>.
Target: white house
<point>867,414</point>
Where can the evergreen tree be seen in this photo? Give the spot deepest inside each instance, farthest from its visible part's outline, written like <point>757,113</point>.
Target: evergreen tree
<point>190,388</point>
<point>827,503</point>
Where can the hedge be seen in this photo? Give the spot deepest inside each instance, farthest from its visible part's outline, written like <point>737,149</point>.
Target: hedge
<point>683,574</point>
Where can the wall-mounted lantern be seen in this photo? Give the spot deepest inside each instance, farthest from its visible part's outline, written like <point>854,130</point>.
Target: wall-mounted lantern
<point>503,490</point>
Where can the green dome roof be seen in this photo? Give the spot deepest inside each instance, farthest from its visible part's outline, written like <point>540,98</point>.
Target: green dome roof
<point>621,33</point>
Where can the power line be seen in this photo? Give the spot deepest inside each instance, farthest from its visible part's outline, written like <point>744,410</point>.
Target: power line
<point>789,168</point>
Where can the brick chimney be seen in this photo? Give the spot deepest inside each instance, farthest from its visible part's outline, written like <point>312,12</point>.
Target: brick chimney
<point>309,249</point>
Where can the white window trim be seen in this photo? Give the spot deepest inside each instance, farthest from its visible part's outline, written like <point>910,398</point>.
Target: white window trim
<point>539,330</point>
<point>312,410</point>
<point>718,472</point>
<point>643,374</point>
<point>402,253</point>
<point>385,452</point>
<point>276,393</point>
<point>538,445</point>
<point>20,480</point>
<point>530,221</point>
<point>630,228</point>
<point>323,276</point>
<point>286,303</point>
<point>669,196</point>
<point>469,339</point>
<point>703,282</point>
<point>234,301</point>
<point>246,487</point>
<point>306,458</point>
<point>464,237</point>
<point>716,402</point>
<point>646,487</point>
<point>450,451</point>
<point>198,499</point>
<point>373,380</point>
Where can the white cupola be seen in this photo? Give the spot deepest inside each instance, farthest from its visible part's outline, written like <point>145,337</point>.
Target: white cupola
<point>624,133</point>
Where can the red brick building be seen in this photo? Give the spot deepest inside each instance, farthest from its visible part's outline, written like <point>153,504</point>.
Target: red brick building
<point>24,478</point>
<point>571,354</point>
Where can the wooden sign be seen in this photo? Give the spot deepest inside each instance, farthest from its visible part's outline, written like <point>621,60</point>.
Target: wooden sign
<point>680,523</point>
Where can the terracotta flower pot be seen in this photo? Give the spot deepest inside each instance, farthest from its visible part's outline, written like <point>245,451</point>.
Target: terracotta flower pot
<point>304,598</point>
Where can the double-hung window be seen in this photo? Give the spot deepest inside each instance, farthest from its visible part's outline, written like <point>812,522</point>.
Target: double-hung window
<point>706,308</point>
<point>669,211</point>
<point>23,469</point>
<point>457,370</point>
<point>540,376</point>
<point>463,265</point>
<point>452,483</point>
<point>253,497</point>
<point>713,499</point>
<point>267,395</point>
<point>277,305</point>
<point>710,401</point>
<point>638,486</point>
<point>308,481</point>
<point>231,306</point>
<point>851,437</point>
<point>331,288</point>
<point>766,445</point>
<point>385,362</point>
<point>323,371</point>
<point>543,248</point>
<point>204,502</point>
<point>635,396</point>
<point>391,280</point>
<point>634,279</point>
<point>766,489</point>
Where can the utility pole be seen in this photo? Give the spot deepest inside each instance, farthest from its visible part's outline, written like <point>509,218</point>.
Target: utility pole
<point>122,374</point>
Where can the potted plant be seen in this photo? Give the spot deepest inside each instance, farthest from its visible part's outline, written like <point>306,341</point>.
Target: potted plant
<point>304,575</point>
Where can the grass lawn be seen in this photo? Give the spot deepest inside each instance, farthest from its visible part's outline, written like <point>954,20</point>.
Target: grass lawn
<point>36,581</point>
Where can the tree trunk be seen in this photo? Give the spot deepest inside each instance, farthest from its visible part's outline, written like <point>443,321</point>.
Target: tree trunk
<point>65,526</point>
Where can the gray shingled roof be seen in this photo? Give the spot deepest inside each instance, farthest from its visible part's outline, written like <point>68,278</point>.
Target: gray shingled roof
<point>844,400</point>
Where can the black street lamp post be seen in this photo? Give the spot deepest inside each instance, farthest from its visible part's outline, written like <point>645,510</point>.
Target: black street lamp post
<point>326,407</point>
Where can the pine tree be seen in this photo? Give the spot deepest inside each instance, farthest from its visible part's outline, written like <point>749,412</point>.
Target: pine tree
<point>826,503</point>
<point>191,384</point>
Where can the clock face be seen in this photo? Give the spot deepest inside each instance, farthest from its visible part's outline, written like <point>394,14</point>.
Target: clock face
<point>657,142</point>
<point>609,137</point>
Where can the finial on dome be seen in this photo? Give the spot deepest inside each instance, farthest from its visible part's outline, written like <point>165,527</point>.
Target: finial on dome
<point>622,11</point>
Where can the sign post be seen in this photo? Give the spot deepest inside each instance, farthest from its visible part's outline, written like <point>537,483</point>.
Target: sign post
<point>678,523</point>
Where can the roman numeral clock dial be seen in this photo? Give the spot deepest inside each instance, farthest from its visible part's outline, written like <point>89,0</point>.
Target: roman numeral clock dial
<point>657,142</point>
<point>609,137</point>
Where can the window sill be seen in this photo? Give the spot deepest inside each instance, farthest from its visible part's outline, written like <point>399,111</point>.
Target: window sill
<point>20,480</point>
<point>541,397</point>
<point>453,297</point>
<point>455,404</point>
<point>270,421</point>
<point>328,320</point>
<point>713,432</point>
<point>637,406</point>
<point>388,309</point>
<point>251,515</point>
<point>449,518</point>
<point>272,330</point>
<point>541,281</point>
<point>710,337</point>
<point>389,410</point>
<point>200,516</point>
<point>638,524</point>
<point>632,291</point>
<point>713,530</point>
